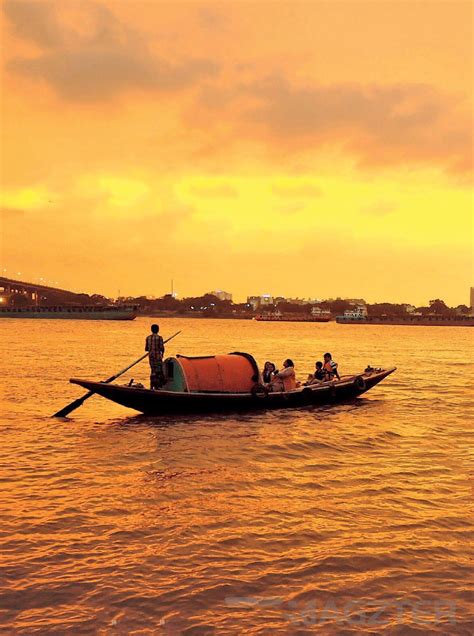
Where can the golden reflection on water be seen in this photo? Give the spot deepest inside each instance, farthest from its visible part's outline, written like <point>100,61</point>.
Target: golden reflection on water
<point>118,523</point>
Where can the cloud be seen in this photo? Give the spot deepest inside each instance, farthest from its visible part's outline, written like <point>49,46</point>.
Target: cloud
<point>116,191</point>
<point>378,125</point>
<point>99,64</point>
<point>34,21</point>
<point>101,73</point>
<point>315,111</point>
<point>32,198</point>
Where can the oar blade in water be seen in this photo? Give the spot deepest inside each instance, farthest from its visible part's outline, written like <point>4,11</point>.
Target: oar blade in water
<point>64,412</point>
<point>74,405</point>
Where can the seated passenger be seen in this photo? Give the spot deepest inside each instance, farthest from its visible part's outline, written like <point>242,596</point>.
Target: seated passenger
<point>330,368</point>
<point>268,373</point>
<point>318,376</point>
<point>285,379</point>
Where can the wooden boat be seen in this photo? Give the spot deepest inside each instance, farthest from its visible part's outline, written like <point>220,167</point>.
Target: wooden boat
<point>226,383</point>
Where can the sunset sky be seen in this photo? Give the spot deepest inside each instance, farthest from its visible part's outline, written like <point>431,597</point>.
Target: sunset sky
<point>314,149</point>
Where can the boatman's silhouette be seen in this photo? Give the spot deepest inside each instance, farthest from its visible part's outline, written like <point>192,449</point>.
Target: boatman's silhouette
<point>156,348</point>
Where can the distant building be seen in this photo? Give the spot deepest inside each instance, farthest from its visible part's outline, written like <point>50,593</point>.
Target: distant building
<point>253,301</point>
<point>221,295</point>
<point>260,301</point>
<point>296,301</point>
<point>471,300</point>
<point>409,308</point>
<point>351,301</point>
<point>302,301</point>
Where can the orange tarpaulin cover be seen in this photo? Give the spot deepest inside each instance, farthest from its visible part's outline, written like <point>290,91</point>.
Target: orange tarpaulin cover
<point>233,373</point>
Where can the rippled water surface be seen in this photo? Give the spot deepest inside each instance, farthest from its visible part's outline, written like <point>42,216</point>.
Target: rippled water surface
<point>339,520</point>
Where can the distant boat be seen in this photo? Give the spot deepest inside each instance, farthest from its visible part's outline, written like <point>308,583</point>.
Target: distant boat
<point>226,383</point>
<point>63,312</point>
<point>424,321</point>
<point>279,317</point>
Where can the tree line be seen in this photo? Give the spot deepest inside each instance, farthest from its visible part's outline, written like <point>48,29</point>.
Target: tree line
<point>210,305</point>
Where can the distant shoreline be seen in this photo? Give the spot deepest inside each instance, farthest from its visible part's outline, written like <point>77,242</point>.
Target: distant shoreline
<point>192,314</point>
<point>427,321</point>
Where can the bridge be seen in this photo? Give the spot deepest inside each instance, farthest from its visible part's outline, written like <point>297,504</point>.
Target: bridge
<point>17,292</point>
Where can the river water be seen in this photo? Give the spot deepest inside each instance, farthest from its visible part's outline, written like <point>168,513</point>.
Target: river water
<point>349,519</point>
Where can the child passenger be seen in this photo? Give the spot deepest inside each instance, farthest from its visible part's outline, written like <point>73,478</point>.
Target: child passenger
<point>318,375</point>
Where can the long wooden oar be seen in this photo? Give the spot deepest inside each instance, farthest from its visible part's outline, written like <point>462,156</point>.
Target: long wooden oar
<point>74,405</point>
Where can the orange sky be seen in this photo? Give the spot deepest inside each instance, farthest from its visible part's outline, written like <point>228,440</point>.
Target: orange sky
<point>297,148</point>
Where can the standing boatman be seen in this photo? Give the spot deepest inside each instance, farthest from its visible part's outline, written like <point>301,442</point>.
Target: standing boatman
<point>156,348</point>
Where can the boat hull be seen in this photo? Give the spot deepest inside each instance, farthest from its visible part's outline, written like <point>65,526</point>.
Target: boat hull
<point>73,313</point>
<point>283,318</point>
<point>171,402</point>
<point>415,321</point>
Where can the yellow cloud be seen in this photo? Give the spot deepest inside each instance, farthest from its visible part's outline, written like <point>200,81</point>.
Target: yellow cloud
<point>349,208</point>
<point>26,198</point>
<point>120,192</point>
